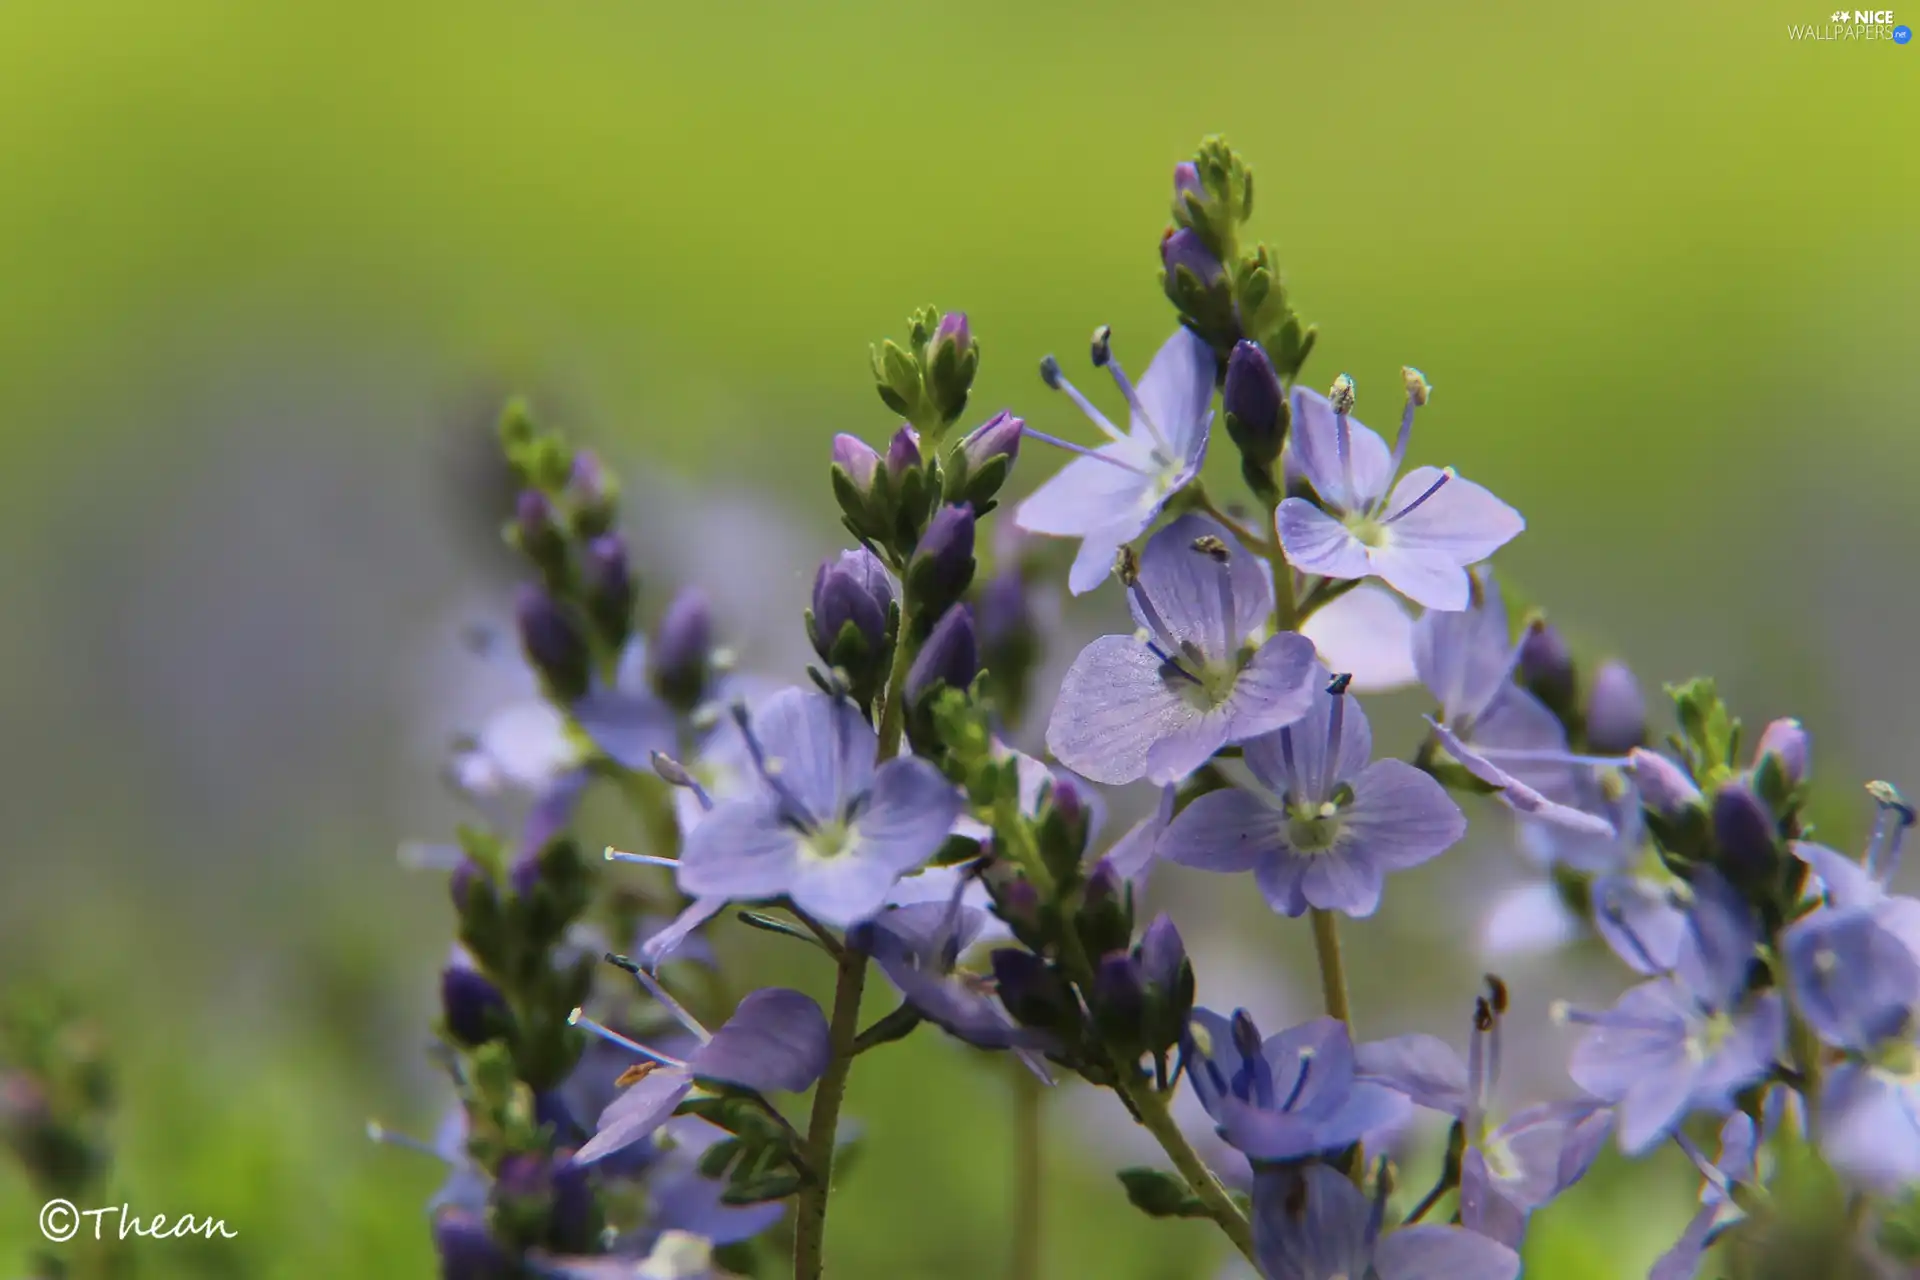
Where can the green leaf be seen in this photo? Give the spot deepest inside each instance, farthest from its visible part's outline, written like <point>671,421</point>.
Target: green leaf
<point>1160,1194</point>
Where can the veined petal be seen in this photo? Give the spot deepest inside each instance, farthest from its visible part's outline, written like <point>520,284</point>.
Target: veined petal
<point>1277,687</point>
<point>1425,1068</point>
<point>1114,705</point>
<point>1846,882</point>
<point>1315,440</point>
<point>646,1104</point>
<point>1871,1127</point>
<point>660,948</point>
<point>628,726</point>
<point>1443,1253</point>
<point>1176,390</point>
<point>1186,588</point>
<point>842,890</point>
<point>1312,1236</point>
<point>819,747</point>
<point>1342,879</point>
<point>908,814</point>
<point>1229,830</point>
<point>1094,561</point>
<point>1400,816</point>
<point>1422,574</point>
<point>1315,542</point>
<point>775,1040</point>
<point>743,850</point>
<point>1463,656</point>
<point>1368,635</point>
<point>1085,494</point>
<point>1461,520</point>
<point>1306,739</point>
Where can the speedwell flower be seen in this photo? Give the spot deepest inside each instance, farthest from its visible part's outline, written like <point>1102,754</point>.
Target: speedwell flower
<point>1159,703</point>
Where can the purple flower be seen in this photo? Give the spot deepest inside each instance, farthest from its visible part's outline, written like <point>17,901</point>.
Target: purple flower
<point>685,1200</point>
<point>1855,885</point>
<point>825,827</point>
<point>1159,705</point>
<point>1858,987</point>
<point>626,719</point>
<point>1335,823</point>
<point>1513,1168</point>
<point>1688,1041</point>
<point>1111,495</point>
<point>1312,1223</point>
<point>1498,731</point>
<point>1616,710</point>
<point>1419,536</point>
<point>1291,1096</point>
<point>775,1040</point>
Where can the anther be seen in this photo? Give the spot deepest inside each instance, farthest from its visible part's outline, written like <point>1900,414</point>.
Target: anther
<point>1102,346</point>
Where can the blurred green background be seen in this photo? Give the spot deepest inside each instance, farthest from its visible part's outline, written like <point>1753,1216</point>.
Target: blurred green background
<point>260,263</point>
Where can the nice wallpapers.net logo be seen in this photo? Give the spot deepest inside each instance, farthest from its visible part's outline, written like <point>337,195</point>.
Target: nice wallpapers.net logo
<point>1855,26</point>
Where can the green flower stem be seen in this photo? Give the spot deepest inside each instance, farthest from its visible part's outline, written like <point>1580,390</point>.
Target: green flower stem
<point>1286,609</point>
<point>810,1219</point>
<point>1203,502</point>
<point>1333,972</point>
<point>843,1025</point>
<point>1029,1174</point>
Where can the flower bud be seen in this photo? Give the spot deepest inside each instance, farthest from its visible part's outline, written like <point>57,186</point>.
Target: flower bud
<point>903,453</point>
<point>593,494</point>
<point>682,656</point>
<point>1616,711</point>
<point>1119,999</point>
<point>1251,399</point>
<point>1744,831</point>
<point>1016,901</point>
<point>553,643</point>
<point>465,1249</point>
<point>1787,742</point>
<point>952,359</point>
<point>1170,983</point>
<point>1546,667</point>
<point>851,590</point>
<point>1665,789</point>
<point>1105,917</point>
<point>1032,992</point>
<point>537,532</point>
<point>473,1008</point>
<point>465,880</point>
<point>981,465</point>
<point>1185,248</point>
<point>857,458</point>
<point>606,581</point>
<point>1186,181</point>
<point>1063,831</point>
<point>942,565</point>
<point>949,657</point>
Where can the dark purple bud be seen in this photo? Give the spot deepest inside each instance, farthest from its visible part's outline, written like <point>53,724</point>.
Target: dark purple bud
<point>950,656</point>
<point>1246,1036</point>
<point>1032,992</point>
<point>606,580</point>
<point>682,656</point>
<point>1163,954</point>
<point>857,458</point>
<point>1546,666</point>
<point>1119,997</point>
<point>1016,901</point>
<point>942,565</point>
<point>573,1221</point>
<point>903,452</point>
<point>1066,800</point>
<point>465,879</point>
<point>1251,399</point>
<point>474,1010</point>
<point>1744,830</point>
<point>1186,180</point>
<point>1105,918</point>
<point>551,1109</point>
<point>851,588</point>
<point>1665,788</point>
<point>524,874</point>
<point>1787,742</point>
<point>466,1251</point>
<point>1616,711</point>
<point>997,437</point>
<point>533,517</point>
<point>553,643</point>
<point>1184,248</point>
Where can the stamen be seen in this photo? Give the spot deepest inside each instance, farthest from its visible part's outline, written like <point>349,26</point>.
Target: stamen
<point>1377,1212</point>
<point>1446,474</point>
<point>1532,755</point>
<point>795,812</point>
<point>1167,660</point>
<point>1337,687</point>
<point>1157,625</point>
<point>659,992</point>
<point>1709,1172</point>
<point>1134,403</point>
<point>578,1018</point>
<point>1216,550</point>
<point>1342,397</point>
<point>1497,1004</point>
<point>377,1132</point>
<point>1299,1081</point>
<point>1483,1023</point>
<point>1293,770</point>
<point>1083,451</point>
<point>1102,346</point>
<point>1417,392</point>
<point>1051,375</point>
<point>675,774</point>
<point>640,859</point>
